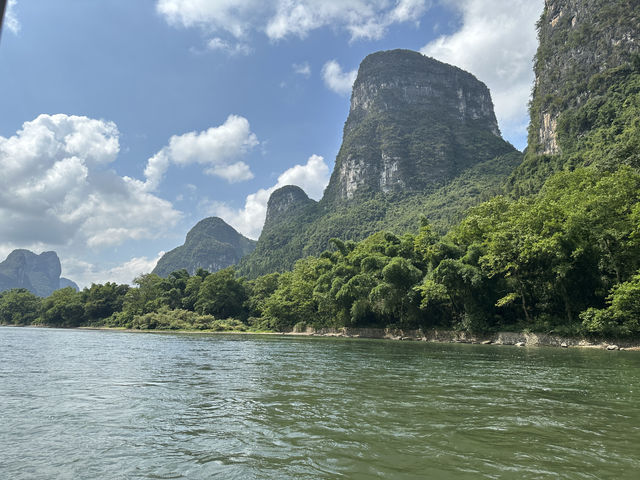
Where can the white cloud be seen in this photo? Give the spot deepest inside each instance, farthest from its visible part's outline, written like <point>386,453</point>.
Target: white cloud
<point>497,42</point>
<point>361,18</point>
<point>236,48</point>
<point>85,273</point>
<point>217,149</point>
<point>10,17</point>
<point>56,188</point>
<point>303,69</point>
<point>232,16</point>
<point>236,172</point>
<point>337,80</point>
<point>311,177</point>
<point>280,19</point>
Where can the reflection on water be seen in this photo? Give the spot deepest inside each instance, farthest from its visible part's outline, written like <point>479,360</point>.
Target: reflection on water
<point>111,405</point>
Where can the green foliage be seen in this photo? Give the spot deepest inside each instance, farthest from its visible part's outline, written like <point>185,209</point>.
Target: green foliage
<point>178,319</point>
<point>621,317</point>
<point>18,307</point>
<point>310,231</point>
<point>63,308</point>
<point>222,294</point>
<point>102,301</point>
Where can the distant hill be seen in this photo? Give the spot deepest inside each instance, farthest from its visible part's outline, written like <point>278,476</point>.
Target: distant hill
<point>421,138</point>
<point>40,274</point>
<point>211,244</point>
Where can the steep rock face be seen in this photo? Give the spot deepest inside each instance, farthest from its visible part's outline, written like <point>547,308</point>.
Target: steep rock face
<point>40,274</point>
<point>284,202</point>
<point>211,244</point>
<point>414,123</point>
<point>578,39</point>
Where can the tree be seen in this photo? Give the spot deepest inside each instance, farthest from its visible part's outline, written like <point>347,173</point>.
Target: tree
<point>102,301</point>
<point>63,308</point>
<point>222,295</point>
<point>18,307</point>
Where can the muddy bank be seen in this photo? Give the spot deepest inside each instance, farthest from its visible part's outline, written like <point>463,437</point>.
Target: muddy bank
<point>448,336</point>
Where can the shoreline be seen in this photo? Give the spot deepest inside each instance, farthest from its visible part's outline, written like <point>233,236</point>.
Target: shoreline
<point>518,339</point>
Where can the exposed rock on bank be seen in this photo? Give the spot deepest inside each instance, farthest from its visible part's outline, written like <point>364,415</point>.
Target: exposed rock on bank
<point>448,336</point>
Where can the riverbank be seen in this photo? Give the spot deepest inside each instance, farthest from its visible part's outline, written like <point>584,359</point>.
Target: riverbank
<point>519,339</point>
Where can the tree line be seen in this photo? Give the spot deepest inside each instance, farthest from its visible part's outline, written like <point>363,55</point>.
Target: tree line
<point>564,261</point>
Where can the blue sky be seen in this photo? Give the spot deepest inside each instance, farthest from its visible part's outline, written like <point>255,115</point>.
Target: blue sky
<point>125,122</point>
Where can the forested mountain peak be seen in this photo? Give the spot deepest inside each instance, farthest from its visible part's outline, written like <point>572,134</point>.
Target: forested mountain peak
<point>211,244</point>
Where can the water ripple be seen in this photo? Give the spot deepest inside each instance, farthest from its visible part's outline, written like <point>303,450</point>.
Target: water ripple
<point>88,404</point>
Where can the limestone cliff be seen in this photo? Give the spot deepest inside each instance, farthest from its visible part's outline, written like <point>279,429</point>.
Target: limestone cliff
<point>414,123</point>
<point>578,39</point>
<point>40,274</point>
<point>211,244</point>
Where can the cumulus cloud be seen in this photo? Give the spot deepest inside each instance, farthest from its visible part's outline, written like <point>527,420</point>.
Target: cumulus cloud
<point>56,188</point>
<point>337,80</point>
<point>280,19</point>
<point>497,42</point>
<point>232,16</point>
<point>85,273</point>
<point>216,149</point>
<point>312,177</point>
<point>10,17</point>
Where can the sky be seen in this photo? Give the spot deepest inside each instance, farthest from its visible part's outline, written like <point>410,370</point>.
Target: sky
<point>123,123</point>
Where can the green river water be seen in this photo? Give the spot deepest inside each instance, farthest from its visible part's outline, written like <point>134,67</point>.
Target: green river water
<point>114,405</point>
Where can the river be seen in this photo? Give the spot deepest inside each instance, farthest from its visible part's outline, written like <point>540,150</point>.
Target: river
<point>114,405</point>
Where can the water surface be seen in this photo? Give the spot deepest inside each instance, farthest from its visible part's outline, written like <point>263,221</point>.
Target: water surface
<point>114,405</point>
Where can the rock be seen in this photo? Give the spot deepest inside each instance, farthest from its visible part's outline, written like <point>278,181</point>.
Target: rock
<point>487,342</point>
<point>404,94</point>
<point>613,347</point>
<point>520,344</point>
<point>564,345</point>
<point>40,274</point>
<point>559,64</point>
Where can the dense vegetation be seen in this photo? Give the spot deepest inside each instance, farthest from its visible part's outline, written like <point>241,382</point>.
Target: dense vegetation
<point>308,230</point>
<point>566,261</point>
